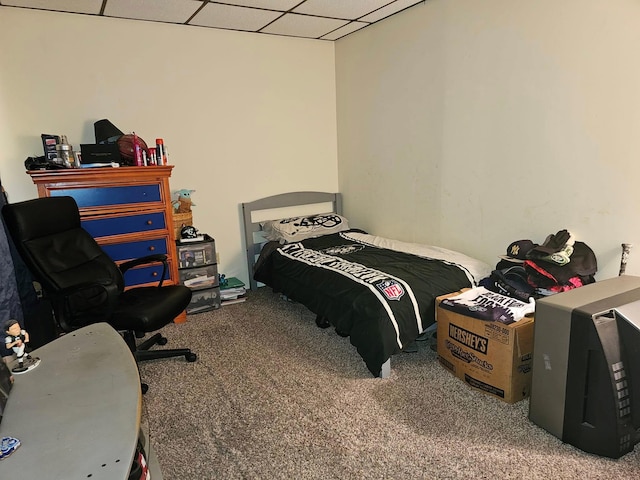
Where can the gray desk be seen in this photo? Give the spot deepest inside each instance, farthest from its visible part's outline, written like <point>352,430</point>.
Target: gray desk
<point>77,414</point>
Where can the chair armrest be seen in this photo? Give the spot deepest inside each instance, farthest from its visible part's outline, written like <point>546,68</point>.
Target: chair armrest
<point>157,257</point>
<point>65,292</point>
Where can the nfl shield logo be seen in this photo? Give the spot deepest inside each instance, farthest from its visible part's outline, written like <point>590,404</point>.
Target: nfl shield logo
<point>391,289</point>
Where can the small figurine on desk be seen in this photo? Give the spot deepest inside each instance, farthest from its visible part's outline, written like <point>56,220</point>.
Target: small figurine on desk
<point>183,204</point>
<point>17,339</point>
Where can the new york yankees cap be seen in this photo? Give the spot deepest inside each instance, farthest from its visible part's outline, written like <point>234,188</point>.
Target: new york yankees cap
<point>517,251</point>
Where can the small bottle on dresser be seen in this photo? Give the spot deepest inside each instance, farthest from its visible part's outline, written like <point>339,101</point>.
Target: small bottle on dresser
<point>137,151</point>
<point>161,156</point>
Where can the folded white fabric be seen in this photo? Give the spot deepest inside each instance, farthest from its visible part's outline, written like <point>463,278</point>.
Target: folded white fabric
<point>484,304</point>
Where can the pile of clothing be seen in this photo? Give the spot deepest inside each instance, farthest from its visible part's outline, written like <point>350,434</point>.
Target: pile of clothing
<point>483,304</point>
<point>530,270</point>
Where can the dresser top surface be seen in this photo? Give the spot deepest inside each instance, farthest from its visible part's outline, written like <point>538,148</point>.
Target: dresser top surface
<point>106,174</point>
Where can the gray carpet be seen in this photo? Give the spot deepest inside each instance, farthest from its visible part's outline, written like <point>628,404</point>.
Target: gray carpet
<point>272,396</point>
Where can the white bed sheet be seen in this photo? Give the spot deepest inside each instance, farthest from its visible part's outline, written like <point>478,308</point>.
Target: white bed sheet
<point>475,269</point>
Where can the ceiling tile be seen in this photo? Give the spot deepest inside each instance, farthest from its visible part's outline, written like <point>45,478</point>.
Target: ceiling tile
<point>172,11</point>
<point>352,9</point>
<point>233,18</point>
<point>395,7</point>
<point>323,19</point>
<point>346,30</point>
<point>76,6</point>
<point>303,26</point>
<point>282,5</point>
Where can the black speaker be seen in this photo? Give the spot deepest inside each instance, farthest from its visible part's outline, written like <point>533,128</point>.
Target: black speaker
<point>106,132</point>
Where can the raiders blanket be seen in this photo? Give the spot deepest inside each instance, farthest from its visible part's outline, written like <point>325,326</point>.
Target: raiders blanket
<point>382,298</point>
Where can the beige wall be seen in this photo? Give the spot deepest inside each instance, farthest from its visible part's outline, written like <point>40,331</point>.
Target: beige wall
<point>470,124</point>
<point>243,115</point>
<point>460,123</point>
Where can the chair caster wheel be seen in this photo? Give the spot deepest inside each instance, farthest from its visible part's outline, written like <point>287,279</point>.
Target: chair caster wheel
<point>144,387</point>
<point>322,322</point>
<point>191,357</point>
<point>162,341</point>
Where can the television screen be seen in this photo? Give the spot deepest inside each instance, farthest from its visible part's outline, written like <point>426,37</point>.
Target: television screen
<point>629,330</point>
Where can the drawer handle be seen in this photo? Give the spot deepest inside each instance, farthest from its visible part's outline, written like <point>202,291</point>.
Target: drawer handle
<point>149,222</point>
<point>152,248</point>
<point>154,274</point>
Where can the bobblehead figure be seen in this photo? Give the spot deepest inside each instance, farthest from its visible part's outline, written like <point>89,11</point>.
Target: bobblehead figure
<point>16,339</point>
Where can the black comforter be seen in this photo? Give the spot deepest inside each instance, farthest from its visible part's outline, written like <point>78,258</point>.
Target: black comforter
<point>383,299</point>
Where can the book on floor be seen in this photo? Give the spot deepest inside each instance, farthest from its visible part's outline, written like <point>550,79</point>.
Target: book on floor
<point>233,300</point>
<point>231,293</point>
<point>231,282</point>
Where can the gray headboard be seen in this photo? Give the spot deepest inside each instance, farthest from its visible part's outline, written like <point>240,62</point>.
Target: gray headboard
<point>252,226</point>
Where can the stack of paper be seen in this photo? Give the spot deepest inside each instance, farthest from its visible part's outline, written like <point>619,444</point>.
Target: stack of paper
<point>232,291</point>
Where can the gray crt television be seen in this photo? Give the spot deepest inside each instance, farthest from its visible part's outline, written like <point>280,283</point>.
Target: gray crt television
<point>585,386</point>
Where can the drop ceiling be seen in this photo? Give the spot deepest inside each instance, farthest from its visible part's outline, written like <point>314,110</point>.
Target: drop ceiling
<point>316,19</point>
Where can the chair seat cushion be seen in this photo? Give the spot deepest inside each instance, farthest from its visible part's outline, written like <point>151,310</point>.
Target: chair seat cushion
<point>145,309</point>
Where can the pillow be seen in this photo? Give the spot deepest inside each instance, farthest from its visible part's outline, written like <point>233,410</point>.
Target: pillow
<point>287,230</point>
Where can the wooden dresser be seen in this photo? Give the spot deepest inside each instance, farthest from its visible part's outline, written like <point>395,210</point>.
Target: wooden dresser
<point>127,210</point>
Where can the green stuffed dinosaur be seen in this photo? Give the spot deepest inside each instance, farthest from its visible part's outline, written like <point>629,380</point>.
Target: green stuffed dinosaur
<point>183,204</point>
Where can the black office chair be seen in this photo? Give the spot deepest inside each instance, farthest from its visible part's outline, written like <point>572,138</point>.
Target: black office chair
<point>84,285</point>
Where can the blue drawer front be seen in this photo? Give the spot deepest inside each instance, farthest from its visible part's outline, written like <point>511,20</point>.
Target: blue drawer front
<point>130,250</point>
<point>119,225</point>
<point>139,276</point>
<point>96,197</point>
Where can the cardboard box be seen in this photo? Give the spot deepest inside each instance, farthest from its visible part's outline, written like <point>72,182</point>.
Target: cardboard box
<point>99,153</point>
<point>489,356</point>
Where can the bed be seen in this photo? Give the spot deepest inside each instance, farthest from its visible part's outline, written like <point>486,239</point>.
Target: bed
<point>377,291</point>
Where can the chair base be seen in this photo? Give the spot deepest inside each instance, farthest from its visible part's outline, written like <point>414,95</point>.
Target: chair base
<point>142,355</point>
<point>141,352</point>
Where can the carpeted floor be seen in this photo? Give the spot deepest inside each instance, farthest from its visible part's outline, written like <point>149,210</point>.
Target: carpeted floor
<point>272,396</point>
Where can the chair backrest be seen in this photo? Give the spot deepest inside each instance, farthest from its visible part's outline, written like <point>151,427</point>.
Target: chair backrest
<point>82,281</point>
